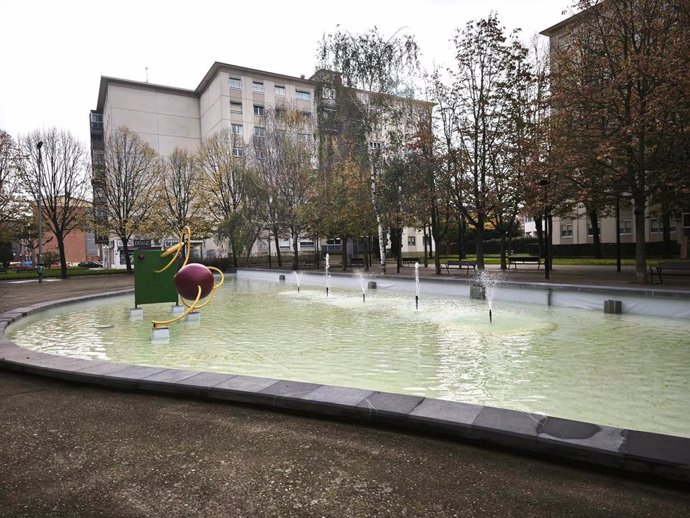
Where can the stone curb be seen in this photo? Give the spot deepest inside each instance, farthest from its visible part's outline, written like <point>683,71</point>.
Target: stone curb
<point>658,455</point>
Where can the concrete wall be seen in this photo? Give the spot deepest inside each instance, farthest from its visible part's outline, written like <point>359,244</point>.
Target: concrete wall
<point>164,119</point>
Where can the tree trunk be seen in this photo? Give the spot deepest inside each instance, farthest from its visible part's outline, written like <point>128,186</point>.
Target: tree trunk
<point>502,250</point>
<point>640,249</point>
<point>479,246</point>
<point>295,249</point>
<point>666,233</point>
<point>343,247</point>
<point>63,259</point>
<point>538,223</point>
<point>128,260</point>
<point>278,254</point>
<point>594,218</point>
<point>379,224</point>
<point>426,256</point>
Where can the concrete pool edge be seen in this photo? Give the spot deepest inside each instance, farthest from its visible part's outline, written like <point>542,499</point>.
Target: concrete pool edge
<point>654,454</point>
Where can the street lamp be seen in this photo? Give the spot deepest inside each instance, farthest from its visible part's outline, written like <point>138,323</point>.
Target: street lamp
<point>39,145</point>
<point>544,184</point>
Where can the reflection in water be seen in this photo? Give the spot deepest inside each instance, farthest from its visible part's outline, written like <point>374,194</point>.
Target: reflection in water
<point>620,370</point>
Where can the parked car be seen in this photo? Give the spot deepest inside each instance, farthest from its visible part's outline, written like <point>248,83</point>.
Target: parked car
<point>90,264</point>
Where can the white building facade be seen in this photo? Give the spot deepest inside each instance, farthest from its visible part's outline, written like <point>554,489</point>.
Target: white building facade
<point>228,97</point>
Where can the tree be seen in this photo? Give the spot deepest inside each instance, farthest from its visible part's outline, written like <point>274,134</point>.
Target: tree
<point>181,194</point>
<point>487,62</point>
<point>11,206</point>
<point>131,186</point>
<point>284,154</point>
<point>221,157</point>
<point>381,67</point>
<point>622,86</point>
<point>53,173</point>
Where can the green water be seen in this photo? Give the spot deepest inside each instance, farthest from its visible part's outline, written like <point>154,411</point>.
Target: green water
<point>618,370</point>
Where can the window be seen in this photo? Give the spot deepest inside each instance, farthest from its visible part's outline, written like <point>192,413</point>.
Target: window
<point>259,131</point>
<point>280,91</point>
<point>303,94</point>
<point>374,145</point>
<point>328,93</point>
<point>626,227</point>
<point>257,87</point>
<point>566,230</point>
<point>235,107</point>
<point>305,137</point>
<point>237,129</point>
<point>280,113</point>
<point>657,226</point>
<point>411,241</point>
<point>258,110</point>
<point>237,152</point>
<point>235,83</point>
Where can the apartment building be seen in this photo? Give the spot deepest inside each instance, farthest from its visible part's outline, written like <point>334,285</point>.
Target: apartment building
<point>228,96</point>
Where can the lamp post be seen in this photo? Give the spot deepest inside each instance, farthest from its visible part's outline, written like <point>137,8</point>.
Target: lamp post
<point>544,184</point>
<point>39,145</point>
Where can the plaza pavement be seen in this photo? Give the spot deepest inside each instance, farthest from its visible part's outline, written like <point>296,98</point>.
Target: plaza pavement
<point>73,450</point>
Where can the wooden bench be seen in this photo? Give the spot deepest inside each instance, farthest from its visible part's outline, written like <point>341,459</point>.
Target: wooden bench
<point>668,269</point>
<point>460,265</point>
<point>524,259</point>
<point>410,261</point>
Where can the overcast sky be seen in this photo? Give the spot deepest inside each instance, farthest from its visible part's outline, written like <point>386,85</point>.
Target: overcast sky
<point>55,51</point>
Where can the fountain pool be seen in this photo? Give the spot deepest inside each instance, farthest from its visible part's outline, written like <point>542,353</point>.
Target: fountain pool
<point>619,370</point>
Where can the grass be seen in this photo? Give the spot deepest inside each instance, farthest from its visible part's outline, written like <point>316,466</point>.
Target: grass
<point>55,272</point>
<point>568,261</point>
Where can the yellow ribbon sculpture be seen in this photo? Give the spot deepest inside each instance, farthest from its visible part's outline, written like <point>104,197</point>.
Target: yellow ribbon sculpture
<point>193,281</point>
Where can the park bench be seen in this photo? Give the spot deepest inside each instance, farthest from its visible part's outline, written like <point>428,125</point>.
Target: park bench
<point>357,261</point>
<point>460,265</point>
<point>668,269</point>
<point>524,259</point>
<point>410,261</point>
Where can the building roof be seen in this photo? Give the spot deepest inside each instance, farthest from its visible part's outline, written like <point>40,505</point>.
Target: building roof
<point>105,80</point>
<point>212,72</point>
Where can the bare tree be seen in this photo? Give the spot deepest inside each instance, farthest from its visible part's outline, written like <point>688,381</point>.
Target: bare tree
<point>221,158</point>
<point>11,204</point>
<point>284,154</point>
<point>53,173</point>
<point>486,59</point>
<point>181,200</point>
<point>131,186</point>
<point>382,67</point>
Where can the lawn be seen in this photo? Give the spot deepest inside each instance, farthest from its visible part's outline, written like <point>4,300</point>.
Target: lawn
<point>11,274</point>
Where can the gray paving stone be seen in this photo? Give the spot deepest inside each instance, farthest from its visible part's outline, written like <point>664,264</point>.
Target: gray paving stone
<point>205,379</point>
<point>170,376</point>
<point>290,389</point>
<point>103,368</point>
<point>438,410</point>
<point>577,433</point>
<point>509,421</point>
<point>664,448</point>
<point>136,372</point>
<point>247,383</point>
<point>337,395</point>
<point>385,402</point>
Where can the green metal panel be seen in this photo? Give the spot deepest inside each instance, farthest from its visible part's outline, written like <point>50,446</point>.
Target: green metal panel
<point>151,287</point>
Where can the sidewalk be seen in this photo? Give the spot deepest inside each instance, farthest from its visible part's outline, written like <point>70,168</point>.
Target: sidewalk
<point>71,450</point>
